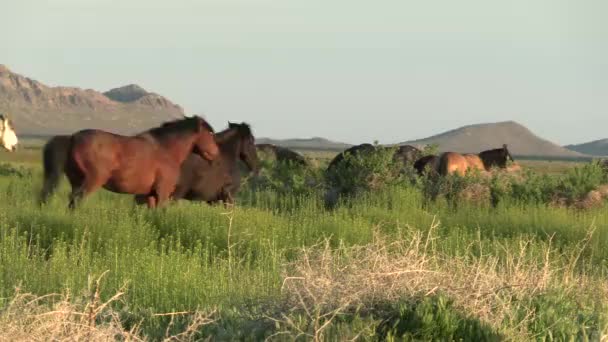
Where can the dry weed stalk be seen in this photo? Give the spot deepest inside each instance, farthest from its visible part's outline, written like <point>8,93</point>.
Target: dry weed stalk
<point>325,282</point>
<point>57,317</point>
<point>28,317</point>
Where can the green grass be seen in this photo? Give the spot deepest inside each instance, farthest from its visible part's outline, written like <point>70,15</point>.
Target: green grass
<point>189,257</point>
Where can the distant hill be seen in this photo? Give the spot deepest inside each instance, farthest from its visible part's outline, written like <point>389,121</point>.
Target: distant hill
<point>476,138</point>
<point>40,110</point>
<point>306,144</point>
<point>594,148</point>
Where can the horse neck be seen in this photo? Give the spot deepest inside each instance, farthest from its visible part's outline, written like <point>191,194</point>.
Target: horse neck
<point>489,159</point>
<point>178,147</point>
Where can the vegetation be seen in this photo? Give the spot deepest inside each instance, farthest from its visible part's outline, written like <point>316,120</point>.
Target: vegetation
<point>388,263</point>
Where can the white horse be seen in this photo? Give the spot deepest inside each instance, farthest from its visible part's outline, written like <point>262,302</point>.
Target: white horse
<point>8,137</point>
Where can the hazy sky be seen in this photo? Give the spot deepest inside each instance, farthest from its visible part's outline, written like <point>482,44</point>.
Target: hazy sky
<point>348,70</point>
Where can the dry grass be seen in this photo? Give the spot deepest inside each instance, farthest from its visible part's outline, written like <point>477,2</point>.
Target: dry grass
<point>58,317</point>
<point>325,283</point>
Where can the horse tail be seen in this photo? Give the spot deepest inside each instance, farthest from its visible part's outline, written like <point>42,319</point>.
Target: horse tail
<point>444,164</point>
<point>54,157</point>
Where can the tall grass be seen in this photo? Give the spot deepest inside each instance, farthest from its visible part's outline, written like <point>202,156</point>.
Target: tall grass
<point>190,257</point>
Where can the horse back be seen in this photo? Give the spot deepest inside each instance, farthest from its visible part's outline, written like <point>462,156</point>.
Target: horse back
<point>475,162</point>
<point>451,162</point>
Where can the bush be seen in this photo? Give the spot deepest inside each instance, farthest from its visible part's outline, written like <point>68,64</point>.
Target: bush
<point>579,180</point>
<point>433,318</point>
<point>285,177</point>
<point>362,172</point>
<point>573,186</point>
<point>471,187</point>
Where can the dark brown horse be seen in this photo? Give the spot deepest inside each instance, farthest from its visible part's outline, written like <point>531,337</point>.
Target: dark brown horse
<point>452,162</point>
<point>146,164</point>
<point>283,154</point>
<point>406,155</point>
<point>201,180</point>
<point>427,164</point>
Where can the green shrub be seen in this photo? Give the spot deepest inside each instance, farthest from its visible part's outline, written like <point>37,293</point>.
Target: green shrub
<point>285,177</point>
<point>361,172</point>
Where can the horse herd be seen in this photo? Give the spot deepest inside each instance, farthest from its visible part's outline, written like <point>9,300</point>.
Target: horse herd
<point>186,159</point>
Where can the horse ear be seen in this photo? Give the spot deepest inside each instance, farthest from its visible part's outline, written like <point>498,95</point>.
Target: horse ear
<point>504,146</point>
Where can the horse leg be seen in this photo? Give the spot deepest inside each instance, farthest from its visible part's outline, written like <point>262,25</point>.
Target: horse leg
<point>161,191</point>
<point>90,184</point>
<point>151,201</point>
<point>141,199</point>
<point>75,196</point>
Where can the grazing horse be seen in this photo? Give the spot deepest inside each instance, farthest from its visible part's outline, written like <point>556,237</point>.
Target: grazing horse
<point>8,137</point>
<point>451,162</point>
<point>406,155</point>
<point>145,164</point>
<point>427,163</point>
<point>201,180</point>
<point>283,154</point>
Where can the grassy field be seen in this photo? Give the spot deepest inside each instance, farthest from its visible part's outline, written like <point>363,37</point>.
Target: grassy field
<point>384,266</point>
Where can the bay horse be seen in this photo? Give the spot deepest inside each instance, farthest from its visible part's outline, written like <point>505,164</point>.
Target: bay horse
<point>145,164</point>
<point>201,180</point>
<point>8,137</point>
<point>452,162</point>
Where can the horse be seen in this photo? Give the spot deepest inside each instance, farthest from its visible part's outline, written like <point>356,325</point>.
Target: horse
<point>201,180</point>
<point>427,163</point>
<point>283,154</point>
<point>452,162</point>
<point>406,155</point>
<point>8,136</point>
<point>145,164</point>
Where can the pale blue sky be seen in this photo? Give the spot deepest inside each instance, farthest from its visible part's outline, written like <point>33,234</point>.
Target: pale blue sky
<point>351,70</point>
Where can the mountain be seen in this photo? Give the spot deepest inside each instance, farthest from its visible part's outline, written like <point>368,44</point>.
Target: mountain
<point>476,138</point>
<point>315,143</point>
<point>38,109</point>
<point>594,148</point>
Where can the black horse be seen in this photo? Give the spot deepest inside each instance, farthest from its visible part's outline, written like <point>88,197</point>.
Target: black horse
<point>220,180</point>
<point>428,164</point>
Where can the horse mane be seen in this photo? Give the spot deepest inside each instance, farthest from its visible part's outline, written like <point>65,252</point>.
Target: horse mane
<point>495,150</point>
<point>180,125</point>
<point>243,129</point>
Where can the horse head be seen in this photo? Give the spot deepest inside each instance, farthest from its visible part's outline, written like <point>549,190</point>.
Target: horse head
<point>204,142</point>
<point>247,148</point>
<point>507,154</point>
